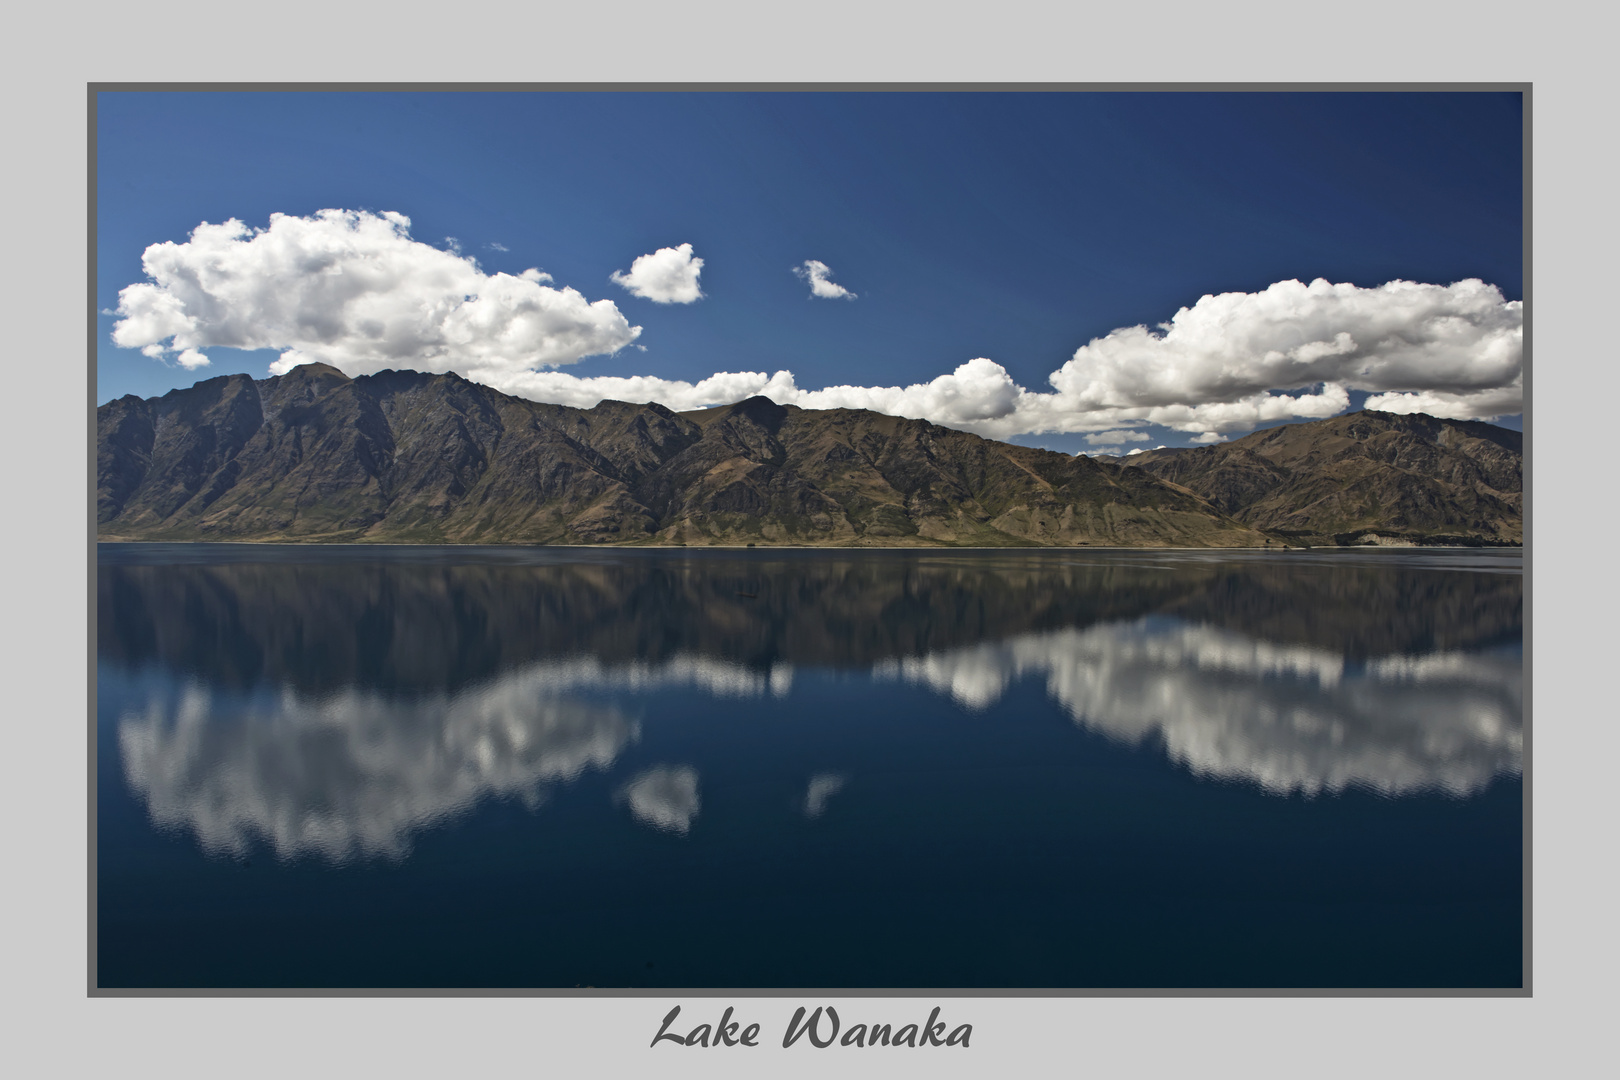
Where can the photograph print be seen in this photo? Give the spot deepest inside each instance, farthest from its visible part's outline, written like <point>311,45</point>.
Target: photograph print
<point>893,541</point>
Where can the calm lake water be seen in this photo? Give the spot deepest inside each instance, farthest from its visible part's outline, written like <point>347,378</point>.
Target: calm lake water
<point>510,767</point>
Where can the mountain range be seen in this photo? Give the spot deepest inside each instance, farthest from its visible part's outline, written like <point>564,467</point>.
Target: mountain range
<point>1368,477</point>
<point>407,457</point>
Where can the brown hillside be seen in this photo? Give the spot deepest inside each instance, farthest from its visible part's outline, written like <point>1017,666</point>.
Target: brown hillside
<point>406,457</point>
<point>1366,477</point>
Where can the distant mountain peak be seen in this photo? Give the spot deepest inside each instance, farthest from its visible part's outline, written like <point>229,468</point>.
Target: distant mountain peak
<point>314,369</point>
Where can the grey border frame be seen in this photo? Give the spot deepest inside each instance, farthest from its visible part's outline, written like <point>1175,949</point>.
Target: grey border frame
<point>823,993</point>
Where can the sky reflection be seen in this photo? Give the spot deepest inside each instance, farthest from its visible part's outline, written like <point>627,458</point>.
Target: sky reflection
<point>1291,719</point>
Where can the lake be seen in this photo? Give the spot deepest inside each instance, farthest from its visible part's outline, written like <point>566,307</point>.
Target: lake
<point>437,767</point>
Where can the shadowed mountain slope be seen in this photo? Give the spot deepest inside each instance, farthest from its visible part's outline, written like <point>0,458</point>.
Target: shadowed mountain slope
<point>1368,477</point>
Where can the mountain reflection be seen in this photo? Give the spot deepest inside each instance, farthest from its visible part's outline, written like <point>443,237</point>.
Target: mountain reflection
<point>1292,719</point>
<point>325,619</point>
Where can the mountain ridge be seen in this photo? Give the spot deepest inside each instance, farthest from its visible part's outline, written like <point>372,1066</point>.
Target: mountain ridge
<point>409,457</point>
<point>1365,477</point>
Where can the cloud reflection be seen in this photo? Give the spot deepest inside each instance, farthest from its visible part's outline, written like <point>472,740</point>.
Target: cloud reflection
<point>665,797</point>
<point>823,786</point>
<point>355,773</point>
<point>1291,719</point>
<point>719,677</point>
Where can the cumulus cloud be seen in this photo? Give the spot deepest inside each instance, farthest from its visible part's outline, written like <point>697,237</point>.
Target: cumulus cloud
<point>1227,364</point>
<point>1115,438</point>
<point>1221,361</point>
<point>721,388</point>
<point>667,276</point>
<point>975,395</point>
<point>352,289</point>
<point>1499,401</point>
<point>819,275</point>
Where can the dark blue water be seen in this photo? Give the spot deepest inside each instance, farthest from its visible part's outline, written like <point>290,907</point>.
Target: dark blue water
<point>464,767</point>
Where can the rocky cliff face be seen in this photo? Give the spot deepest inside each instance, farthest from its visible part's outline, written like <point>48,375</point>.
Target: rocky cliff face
<point>1369,477</point>
<point>406,457</point>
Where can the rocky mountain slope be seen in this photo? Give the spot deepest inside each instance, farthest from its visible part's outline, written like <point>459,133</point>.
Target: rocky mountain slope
<point>407,457</point>
<point>1368,477</point>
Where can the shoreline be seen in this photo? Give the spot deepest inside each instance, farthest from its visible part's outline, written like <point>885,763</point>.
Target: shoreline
<point>828,547</point>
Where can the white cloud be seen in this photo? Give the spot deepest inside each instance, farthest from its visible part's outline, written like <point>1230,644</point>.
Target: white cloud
<point>191,360</point>
<point>665,797</point>
<point>1143,450</point>
<point>1115,438</point>
<point>819,275</point>
<point>976,393</point>
<point>1217,366</point>
<point>496,245</point>
<point>1493,401</point>
<point>667,276</point>
<point>352,289</point>
<point>1225,365</point>
<point>582,393</point>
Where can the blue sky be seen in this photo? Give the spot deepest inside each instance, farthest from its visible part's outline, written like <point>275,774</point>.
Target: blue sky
<point>986,237</point>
